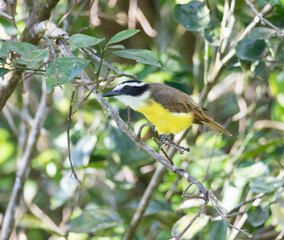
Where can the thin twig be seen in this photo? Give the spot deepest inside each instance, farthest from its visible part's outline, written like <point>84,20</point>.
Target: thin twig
<point>108,80</point>
<point>141,128</point>
<point>148,193</point>
<point>84,99</point>
<point>70,10</point>
<point>107,65</point>
<point>73,172</point>
<point>263,20</point>
<point>144,202</point>
<point>56,60</point>
<point>190,179</point>
<point>24,166</point>
<point>10,120</point>
<point>163,150</point>
<point>192,220</point>
<point>206,56</point>
<point>191,196</point>
<point>81,83</point>
<point>40,214</point>
<point>219,65</point>
<point>183,193</point>
<point>261,195</point>
<point>223,214</point>
<point>128,117</point>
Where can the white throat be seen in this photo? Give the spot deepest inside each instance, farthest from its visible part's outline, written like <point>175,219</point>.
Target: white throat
<point>135,102</point>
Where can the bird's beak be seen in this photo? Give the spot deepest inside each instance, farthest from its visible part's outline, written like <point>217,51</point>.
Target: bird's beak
<point>111,94</point>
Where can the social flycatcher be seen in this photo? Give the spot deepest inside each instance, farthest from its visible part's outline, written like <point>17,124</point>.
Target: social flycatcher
<point>168,109</point>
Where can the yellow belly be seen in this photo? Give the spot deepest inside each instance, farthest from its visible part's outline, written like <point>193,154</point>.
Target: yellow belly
<point>164,121</point>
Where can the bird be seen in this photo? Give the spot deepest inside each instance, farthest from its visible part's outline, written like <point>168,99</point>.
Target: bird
<point>168,109</point>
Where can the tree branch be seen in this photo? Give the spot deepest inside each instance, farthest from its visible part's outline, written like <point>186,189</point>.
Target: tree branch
<point>192,220</point>
<point>263,20</point>
<point>39,11</point>
<point>144,202</point>
<point>23,167</point>
<point>219,65</point>
<point>164,161</point>
<point>107,65</point>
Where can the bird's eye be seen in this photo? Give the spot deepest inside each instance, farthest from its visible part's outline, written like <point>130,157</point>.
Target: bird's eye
<point>126,88</point>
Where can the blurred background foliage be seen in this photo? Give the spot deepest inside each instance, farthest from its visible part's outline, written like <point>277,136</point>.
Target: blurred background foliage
<point>247,98</point>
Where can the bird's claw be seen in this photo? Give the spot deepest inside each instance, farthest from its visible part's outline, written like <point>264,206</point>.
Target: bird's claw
<point>165,139</point>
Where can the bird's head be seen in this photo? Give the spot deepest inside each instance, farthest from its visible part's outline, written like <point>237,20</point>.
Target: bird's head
<point>132,93</point>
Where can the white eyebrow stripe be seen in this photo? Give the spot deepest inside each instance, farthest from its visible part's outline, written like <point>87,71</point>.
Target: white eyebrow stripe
<point>130,84</point>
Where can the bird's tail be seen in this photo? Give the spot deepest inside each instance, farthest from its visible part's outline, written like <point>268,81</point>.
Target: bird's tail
<point>215,126</point>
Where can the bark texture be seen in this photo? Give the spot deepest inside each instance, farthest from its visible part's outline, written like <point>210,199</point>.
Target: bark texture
<point>39,11</point>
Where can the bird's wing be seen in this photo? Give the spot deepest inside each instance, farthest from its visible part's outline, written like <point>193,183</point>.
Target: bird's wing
<point>176,101</point>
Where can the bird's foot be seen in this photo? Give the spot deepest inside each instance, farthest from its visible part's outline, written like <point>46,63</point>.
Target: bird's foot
<point>165,139</point>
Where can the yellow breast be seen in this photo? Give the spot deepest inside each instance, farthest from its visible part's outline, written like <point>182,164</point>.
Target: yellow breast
<point>164,121</point>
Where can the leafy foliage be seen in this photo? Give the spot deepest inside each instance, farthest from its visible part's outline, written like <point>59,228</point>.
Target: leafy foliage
<point>82,40</point>
<point>68,69</point>
<point>139,55</point>
<point>193,16</point>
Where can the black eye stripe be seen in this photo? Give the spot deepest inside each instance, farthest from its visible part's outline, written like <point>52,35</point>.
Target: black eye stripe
<point>134,90</point>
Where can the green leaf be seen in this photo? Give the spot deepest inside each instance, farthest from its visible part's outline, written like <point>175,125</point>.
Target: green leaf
<point>257,216</point>
<point>213,33</point>
<point>123,35</point>
<point>193,16</point>
<point>82,40</point>
<point>251,172</point>
<point>280,53</point>
<point>160,211</point>
<point>214,230</point>
<point>3,49</point>
<point>261,148</point>
<point>30,221</point>
<point>260,69</point>
<point>4,71</point>
<point>279,196</point>
<point>2,61</point>
<point>276,83</point>
<point>64,191</point>
<point>9,27</point>
<point>261,33</point>
<point>127,150</point>
<point>7,147</point>
<point>81,152</point>
<point>195,228</point>
<point>250,49</point>
<point>275,2</point>
<point>156,206</point>
<point>21,48</point>
<point>93,220</point>
<point>139,55</point>
<point>30,54</point>
<point>266,184</point>
<point>277,112</point>
<point>33,57</point>
<point>117,46</point>
<point>68,69</point>
<point>278,215</point>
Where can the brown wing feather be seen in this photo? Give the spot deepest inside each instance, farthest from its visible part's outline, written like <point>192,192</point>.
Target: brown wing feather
<point>172,98</point>
<point>177,101</point>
